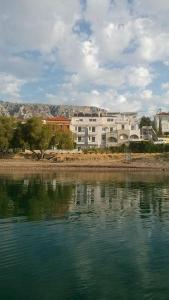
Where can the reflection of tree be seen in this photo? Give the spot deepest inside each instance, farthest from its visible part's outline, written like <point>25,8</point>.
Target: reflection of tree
<point>36,199</point>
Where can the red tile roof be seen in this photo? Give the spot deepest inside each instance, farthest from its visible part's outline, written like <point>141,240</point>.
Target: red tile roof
<point>58,118</point>
<point>163,114</point>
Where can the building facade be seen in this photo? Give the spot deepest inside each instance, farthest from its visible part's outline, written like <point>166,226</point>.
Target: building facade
<point>104,130</point>
<point>148,134</point>
<point>162,123</point>
<point>59,122</point>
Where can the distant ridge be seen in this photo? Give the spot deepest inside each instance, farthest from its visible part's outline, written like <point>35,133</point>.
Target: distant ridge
<point>26,110</point>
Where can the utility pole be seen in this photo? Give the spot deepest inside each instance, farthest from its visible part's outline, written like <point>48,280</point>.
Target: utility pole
<point>160,132</point>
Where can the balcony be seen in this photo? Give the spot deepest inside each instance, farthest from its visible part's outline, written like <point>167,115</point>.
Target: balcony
<point>80,132</point>
<point>92,134</point>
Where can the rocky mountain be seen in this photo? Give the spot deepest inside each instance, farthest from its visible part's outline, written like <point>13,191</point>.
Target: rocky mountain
<point>26,110</point>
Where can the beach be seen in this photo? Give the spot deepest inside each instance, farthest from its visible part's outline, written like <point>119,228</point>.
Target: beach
<point>137,161</point>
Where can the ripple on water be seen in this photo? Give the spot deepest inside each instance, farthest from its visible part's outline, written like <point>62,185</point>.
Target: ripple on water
<point>84,239</point>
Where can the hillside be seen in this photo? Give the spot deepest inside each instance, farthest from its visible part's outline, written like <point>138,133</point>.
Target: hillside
<point>26,110</point>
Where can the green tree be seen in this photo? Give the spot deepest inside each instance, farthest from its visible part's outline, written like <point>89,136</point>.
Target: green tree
<point>145,121</point>
<point>37,136</point>
<point>33,135</point>
<point>63,140</point>
<point>18,141</point>
<point>7,126</point>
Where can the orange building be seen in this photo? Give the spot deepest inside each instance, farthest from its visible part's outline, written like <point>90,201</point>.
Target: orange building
<point>58,122</point>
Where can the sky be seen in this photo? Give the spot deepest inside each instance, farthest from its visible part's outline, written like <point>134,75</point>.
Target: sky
<point>108,53</point>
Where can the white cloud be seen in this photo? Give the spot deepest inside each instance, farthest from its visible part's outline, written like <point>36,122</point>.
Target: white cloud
<point>10,86</point>
<point>95,92</point>
<point>90,52</point>
<point>165,86</point>
<point>152,7</point>
<point>154,47</point>
<point>115,78</point>
<point>33,24</point>
<point>140,77</point>
<point>39,40</point>
<point>144,101</point>
<point>147,94</point>
<point>112,27</point>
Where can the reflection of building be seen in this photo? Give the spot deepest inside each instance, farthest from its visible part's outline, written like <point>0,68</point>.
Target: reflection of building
<point>57,122</point>
<point>111,198</point>
<point>86,194</point>
<point>162,122</point>
<point>104,130</point>
<point>103,198</point>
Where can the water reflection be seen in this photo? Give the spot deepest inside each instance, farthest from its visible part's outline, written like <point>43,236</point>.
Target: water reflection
<point>97,236</point>
<point>34,198</point>
<point>43,197</point>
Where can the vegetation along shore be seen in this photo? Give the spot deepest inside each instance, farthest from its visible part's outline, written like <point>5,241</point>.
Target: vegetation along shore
<point>30,145</point>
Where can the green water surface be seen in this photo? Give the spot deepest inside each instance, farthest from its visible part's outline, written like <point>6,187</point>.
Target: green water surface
<point>75,236</point>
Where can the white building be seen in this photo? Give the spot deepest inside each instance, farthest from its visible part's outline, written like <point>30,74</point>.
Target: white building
<point>104,130</point>
<point>162,122</point>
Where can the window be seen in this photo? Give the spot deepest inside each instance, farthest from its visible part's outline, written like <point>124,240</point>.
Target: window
<point>93,129</point>
<point>132,127</point>
<point>92,120</point>
<point>79,138</point>
<point>103,137</point>
<point>111,129</point>
<point>80,120</point>
<point>93,139</point>
<point>122,126</point>
<point>81,129</point>
<point>110,120</point>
